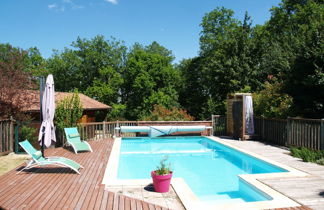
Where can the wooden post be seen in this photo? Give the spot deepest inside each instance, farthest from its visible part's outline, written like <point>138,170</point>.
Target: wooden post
<point>16,138</point>
<point>103,129</point>
<point>289,131</point>
<point>322,135</point>
<point>11,136</point>
<point>1,137</point>
<point>213,125</point>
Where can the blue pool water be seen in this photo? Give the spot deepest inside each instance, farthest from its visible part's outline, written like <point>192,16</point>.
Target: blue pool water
<point>209,168</point>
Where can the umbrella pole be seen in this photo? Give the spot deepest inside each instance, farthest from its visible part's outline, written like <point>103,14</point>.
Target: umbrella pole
<point>42,148</point>
<point>41,87</point>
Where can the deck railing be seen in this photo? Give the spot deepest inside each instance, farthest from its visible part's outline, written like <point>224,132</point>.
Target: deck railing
<point>6,136</point>
<point>103,130</point>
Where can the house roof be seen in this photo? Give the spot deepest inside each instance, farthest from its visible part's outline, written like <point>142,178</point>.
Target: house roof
<point>88,103</point>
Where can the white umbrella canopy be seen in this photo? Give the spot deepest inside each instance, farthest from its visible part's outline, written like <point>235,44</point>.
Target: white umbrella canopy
<point>48,111</point>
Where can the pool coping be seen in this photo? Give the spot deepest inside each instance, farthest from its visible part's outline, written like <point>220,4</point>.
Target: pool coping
<point>191,201</point>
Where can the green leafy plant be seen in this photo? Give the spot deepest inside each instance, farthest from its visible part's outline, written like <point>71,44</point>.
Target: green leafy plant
<point>320,161</point>
<point>28,132</point>
<point>308,155</point>
<point>272,102</point>
<point>163,168</point>
<point>68,111</point>
<point>67,114</point>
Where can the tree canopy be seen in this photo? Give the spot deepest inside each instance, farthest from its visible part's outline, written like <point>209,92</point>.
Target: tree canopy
<point>281,62</point>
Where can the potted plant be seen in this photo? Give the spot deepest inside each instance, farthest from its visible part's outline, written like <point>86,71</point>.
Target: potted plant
<point>162,177</point>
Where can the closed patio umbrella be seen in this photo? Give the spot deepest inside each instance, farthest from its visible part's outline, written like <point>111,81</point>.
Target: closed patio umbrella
<point>47,131</point>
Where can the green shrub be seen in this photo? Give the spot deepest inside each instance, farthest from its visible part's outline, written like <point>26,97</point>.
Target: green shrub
<point>68,111</point>
<point>67,114</point>
<point>320,161</point>
<point>307,155</point>
<point>272,102</point>
<point>28,132</point>
<point>160,113</point>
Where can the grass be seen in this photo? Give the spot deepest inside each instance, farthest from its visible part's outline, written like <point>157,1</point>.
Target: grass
<point>307,155</point>
<point>11,161</point>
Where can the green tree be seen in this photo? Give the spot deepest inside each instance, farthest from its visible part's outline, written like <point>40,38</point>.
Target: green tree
<point>117,112</point>
<point>65,67</point>
<point>296,53</point>
<point>149,79</point>
<point>226,63</point>
<point>14,80</point>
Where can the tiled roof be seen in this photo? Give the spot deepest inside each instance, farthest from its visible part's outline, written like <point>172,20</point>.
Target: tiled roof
<point>88,103</point>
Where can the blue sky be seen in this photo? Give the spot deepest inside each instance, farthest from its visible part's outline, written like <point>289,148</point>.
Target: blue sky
<point>55,24</point>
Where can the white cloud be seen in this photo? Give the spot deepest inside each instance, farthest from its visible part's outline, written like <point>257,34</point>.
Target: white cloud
<point>56,8</point>
<point>52,6</point>
<point>112,1</point>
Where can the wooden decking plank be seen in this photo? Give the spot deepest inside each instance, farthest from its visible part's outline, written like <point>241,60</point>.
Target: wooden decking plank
<point>104,201</point>
<point>42,196</point>
<point>145,205</point>
<point>58,183</point>
<point>116,202</point>
<point>151,206</point>
<point>92,194</point>
<point>133,204</point>
<point>85,189</point>
<point>60,197</point>
<point>61,182</point>
<point>96,203</point>
<point>127,203</point>
<point>111,201</point>
<point>56,187</point>
<point>50,187</point>
<point>76,185</point>
<point>97,195</point>
<point>139,205</point>
<point>24,192</point>
<point>121,202</point>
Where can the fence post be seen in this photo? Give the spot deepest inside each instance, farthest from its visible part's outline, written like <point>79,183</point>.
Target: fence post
<point>262,133</point>
<point>16,139</point>
<point>213,124</point>
<point>104,129</point>
<point>11,137</point>
<point>289,131</point>
<point>322,135</point>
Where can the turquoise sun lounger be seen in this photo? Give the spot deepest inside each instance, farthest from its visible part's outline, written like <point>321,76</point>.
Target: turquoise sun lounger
<point>39,160</point>
<point>73,139</point>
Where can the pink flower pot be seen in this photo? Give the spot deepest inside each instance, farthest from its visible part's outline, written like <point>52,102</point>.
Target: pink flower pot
<point>161,183</point>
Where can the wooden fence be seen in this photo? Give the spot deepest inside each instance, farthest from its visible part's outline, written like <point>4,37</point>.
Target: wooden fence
<point>6,136</point>
<point>219,125</point>
<point>103,130</point>
<point>298,132</point>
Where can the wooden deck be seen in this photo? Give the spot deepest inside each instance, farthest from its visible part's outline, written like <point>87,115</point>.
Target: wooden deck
<point>61,188</point>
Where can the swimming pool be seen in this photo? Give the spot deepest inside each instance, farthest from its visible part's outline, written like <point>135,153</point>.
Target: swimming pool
<point>209,168</point>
